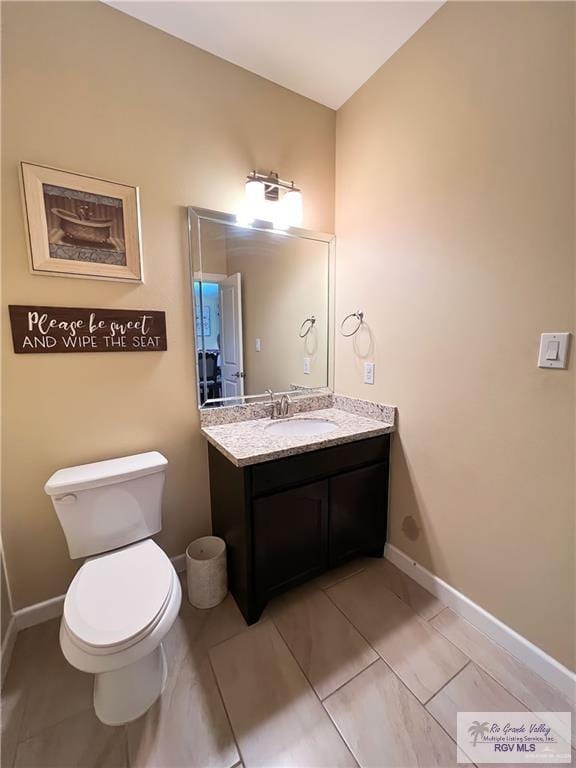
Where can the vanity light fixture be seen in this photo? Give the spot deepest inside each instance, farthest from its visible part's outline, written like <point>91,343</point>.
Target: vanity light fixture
<point>269,198</point>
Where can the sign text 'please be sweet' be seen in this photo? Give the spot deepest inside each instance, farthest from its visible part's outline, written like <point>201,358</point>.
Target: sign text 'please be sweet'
<point>73,329</point>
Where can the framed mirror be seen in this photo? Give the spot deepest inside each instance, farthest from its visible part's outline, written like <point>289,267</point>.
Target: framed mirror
<point>263,308</point>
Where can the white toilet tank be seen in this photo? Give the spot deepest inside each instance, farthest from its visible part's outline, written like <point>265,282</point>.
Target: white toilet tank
<point>109,504</point>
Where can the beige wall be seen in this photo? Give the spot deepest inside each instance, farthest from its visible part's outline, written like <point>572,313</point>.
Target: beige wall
<point>88,89</point>
<point>284,281</point>
<point>454,218</point>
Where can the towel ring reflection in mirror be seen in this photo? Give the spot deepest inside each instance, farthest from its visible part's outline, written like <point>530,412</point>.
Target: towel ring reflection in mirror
<point>307,326</point>
<point>359,317</point>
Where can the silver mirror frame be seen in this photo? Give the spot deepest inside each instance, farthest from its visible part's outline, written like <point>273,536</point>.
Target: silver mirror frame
<point>195,216</point>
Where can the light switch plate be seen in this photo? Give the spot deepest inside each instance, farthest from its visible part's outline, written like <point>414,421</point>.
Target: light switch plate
<point>306,365</point>
<point>258,345</point>
<point>553,350</point>
<point>368,373</point>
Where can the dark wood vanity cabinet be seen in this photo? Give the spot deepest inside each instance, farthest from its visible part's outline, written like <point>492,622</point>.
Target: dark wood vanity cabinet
<point>357,525</point>
<point>286,521</point>
<point>290,536</point>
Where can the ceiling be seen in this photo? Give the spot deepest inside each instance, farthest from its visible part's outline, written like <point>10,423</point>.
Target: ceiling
<point>324,50</point>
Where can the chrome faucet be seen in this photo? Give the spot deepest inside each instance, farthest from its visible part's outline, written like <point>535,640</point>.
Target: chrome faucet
<point>285,409</point>
<point>282,408</point>
<point>275,405</point>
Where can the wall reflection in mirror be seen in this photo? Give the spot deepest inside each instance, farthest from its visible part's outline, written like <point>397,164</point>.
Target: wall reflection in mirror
<point>262,309</point>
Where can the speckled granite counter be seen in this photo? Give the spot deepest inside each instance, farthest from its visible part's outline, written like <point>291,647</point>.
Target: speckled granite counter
<point>246,442</point>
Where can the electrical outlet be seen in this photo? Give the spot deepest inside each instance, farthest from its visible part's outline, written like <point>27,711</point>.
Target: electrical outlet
<point>368,373</point>
<point>306,365</point>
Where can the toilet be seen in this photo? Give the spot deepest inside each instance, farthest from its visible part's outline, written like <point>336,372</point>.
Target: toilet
<point>126,595</point>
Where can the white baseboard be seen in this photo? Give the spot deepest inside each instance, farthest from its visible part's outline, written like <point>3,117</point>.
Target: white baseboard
<point>39,612</point>
<point>179,562</point>
<point>529,654</point>
<point>8,646</point>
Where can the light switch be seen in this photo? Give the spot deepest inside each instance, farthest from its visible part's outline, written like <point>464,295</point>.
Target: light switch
<point>368,373</point>
<point>553,350</point>
<point>258,345</point>
<point>306,365</point>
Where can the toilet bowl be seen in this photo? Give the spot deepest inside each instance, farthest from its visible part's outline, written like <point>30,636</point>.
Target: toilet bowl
<point>126,595</point>
<point>117,611</point>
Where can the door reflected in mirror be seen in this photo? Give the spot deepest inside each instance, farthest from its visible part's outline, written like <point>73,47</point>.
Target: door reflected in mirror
<point>262,308</point>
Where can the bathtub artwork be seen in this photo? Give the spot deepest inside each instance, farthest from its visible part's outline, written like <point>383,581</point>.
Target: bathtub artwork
<point>81,226</point>
<point>84,227</point>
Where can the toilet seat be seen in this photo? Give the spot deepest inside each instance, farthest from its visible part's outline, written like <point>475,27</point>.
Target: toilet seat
<point>118,598</point>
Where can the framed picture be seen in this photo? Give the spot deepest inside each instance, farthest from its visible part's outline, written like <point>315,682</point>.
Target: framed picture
<point>79,226</point>
<point>205,322</point>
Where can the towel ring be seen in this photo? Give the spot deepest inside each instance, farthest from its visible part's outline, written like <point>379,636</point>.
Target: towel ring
<point>310,320</point>
<point>359,316</point>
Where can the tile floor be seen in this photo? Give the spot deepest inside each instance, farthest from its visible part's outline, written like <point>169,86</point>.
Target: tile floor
<point>361,667</point>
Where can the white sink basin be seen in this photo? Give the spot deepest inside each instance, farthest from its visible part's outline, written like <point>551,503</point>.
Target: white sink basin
<point>301,427</point>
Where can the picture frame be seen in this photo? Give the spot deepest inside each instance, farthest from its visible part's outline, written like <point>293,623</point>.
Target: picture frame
<point>81,226</point>
<point>206,322</point>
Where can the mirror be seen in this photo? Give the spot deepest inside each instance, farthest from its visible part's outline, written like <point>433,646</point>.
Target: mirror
<point>262,308</point>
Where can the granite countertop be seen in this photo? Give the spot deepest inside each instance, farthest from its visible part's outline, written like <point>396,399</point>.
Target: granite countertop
<point>249,442</point>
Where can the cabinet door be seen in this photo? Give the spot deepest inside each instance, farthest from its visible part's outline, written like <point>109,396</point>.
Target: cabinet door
<point>358,512</point>
<point>290,537</point>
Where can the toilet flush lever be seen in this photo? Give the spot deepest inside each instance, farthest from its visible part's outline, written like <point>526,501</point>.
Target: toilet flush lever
<point>68,498</point>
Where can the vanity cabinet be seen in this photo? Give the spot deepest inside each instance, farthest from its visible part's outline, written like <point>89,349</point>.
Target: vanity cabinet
<point>288,520</point>
<point>357,525</point>
<point>290,536</point>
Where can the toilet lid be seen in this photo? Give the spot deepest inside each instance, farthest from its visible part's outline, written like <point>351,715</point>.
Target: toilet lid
<point>115,597</point>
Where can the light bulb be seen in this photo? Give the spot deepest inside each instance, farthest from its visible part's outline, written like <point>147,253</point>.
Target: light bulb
<point>251,206</point>
<point>292,207</point>
<point>254,191</point>
<point>254,197</point>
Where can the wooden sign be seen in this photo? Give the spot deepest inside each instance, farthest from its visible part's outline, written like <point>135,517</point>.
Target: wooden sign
<point>71,329</point>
